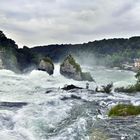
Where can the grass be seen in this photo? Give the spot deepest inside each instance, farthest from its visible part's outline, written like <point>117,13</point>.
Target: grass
<point>124,110</point>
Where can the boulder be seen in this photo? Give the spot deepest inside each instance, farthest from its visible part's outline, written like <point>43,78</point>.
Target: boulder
<point>70,87</point>
<point>47,65</point>
<point>71,69</point>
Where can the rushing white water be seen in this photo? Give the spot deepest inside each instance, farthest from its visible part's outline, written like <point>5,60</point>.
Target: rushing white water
<point>47,116</point>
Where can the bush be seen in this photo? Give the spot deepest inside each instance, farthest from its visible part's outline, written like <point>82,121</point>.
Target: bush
<point>124,110</point>
<point>47,59</point>
<point>107,88</point>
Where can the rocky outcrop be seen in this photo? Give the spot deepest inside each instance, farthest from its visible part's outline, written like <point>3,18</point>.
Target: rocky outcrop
<point>71,69</point>
<point>47,65</point>
<point>8,53</point>
<point>71,97</point>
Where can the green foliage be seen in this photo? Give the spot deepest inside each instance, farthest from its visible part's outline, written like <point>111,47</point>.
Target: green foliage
<point>47,59</point>
<point>111,52</point>
<point>138,76</point>
<point>107,88</point>
<point>124,110</point>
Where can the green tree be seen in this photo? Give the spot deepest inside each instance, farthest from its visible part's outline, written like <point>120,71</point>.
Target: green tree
<point>138,76</point>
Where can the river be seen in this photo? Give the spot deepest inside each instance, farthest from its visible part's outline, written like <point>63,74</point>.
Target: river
<point>31,107</point>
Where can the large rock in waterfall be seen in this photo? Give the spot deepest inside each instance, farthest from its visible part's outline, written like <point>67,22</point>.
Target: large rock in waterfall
<point>47,65</point>
<point>71,69</point>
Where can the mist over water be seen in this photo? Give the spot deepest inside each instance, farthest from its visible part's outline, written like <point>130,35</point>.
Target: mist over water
<point>47,117</point>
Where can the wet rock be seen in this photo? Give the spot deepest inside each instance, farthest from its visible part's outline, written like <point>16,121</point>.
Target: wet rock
<point>70,87</point>
<point>75,97</point>
<point>51,90</point>
<point>48,91</point>
<point>47,65</point>
<point>71,97</point>
<point>12,104</point>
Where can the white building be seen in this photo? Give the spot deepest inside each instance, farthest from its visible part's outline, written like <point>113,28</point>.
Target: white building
<point>137,63</point>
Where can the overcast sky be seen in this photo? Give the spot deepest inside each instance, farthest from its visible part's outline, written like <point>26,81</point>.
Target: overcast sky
<point>39,22</point>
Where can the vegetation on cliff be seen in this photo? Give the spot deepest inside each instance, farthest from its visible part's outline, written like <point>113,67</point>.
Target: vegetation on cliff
<point>14,58</point>
<point>110,52</point>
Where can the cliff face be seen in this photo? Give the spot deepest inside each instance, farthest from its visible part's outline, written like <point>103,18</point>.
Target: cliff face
<point>13,58</point>
<point>111,52</point>
<point>8,53</point>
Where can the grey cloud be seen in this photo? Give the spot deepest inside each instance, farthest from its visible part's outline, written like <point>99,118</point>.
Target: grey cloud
<point>68,21</point>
